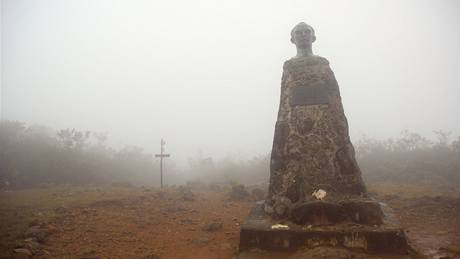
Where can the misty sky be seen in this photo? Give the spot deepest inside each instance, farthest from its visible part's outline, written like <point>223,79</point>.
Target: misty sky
<point>206,75</point>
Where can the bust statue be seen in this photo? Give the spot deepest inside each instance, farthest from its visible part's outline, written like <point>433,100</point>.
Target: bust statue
<point>303,35</point>
<point>316,195</point>
<point>313,170</point>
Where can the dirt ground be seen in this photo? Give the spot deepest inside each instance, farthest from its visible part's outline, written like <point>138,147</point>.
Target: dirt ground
<point>157,223</point>
<point>431,223</point>
<point>149,223</point>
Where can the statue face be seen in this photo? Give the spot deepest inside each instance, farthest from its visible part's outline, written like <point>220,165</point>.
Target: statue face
<point>302,36</point>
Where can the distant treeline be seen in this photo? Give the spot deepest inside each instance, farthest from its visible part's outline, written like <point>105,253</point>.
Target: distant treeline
<point>37,155</point>
<point>411,158</point>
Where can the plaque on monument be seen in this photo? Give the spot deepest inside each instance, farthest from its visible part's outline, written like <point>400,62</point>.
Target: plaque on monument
<point>309,95</point>
<point>316,194</point>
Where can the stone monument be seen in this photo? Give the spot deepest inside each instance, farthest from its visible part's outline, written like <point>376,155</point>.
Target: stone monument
<point>316,195</point>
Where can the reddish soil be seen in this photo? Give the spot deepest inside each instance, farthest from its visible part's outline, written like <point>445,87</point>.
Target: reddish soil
<point>165,225</point>
<point>431,223</point>
<point>161,224</point>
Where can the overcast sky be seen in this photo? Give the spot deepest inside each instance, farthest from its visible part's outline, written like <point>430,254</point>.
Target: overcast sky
<point>205,75</point>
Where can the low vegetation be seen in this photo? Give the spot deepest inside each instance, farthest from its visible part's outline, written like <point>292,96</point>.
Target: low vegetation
<point>31,156</point>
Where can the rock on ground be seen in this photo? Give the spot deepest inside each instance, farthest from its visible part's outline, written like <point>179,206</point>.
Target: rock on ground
<point>37,232</point>
<point>215,226</point>
<point>239,192</point>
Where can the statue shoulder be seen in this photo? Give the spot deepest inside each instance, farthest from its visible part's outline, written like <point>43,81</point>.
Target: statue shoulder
<point>322,60</point>
<point>309,60</point>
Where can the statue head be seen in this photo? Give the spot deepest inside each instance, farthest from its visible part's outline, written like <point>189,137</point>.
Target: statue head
<point>303,35</point>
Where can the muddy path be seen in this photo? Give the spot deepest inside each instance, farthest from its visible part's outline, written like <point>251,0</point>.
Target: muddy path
<point>431,223</point>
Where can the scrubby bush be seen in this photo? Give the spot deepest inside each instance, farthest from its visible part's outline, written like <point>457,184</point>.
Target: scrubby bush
<point>38,155</point>
<point>410,158</point>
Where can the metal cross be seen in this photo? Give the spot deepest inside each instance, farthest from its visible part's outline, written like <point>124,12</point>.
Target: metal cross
<point>161,156</point>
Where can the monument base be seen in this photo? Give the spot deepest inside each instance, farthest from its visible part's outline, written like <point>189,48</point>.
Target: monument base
<point>261,232</point>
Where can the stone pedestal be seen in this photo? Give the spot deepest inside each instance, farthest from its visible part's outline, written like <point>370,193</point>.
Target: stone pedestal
<point>260,231</point>
<point>316,191</point>
<point>263,232</point>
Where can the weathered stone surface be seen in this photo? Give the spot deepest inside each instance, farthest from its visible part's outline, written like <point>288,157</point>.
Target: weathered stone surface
<point>311,147</point>
<point>317,213</point>
<point>257,194</point>
<point>312,150</point>
<point>257,232</point>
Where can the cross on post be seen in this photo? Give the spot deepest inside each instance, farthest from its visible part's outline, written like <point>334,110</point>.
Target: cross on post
<point>161,156</point>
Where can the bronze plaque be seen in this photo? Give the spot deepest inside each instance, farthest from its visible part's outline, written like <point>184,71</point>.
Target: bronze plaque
<point>309,95</point>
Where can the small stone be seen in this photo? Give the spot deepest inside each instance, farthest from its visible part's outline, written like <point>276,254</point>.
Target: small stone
<point>32,245</point>
<point>215,226</point>
<point>38,233</point>
<point>201,241</point>
<point>22,253</point>
<point>239,192</point>
<point>187,221</point>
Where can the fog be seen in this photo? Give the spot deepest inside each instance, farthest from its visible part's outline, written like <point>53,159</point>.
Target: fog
<point>205,75</point>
